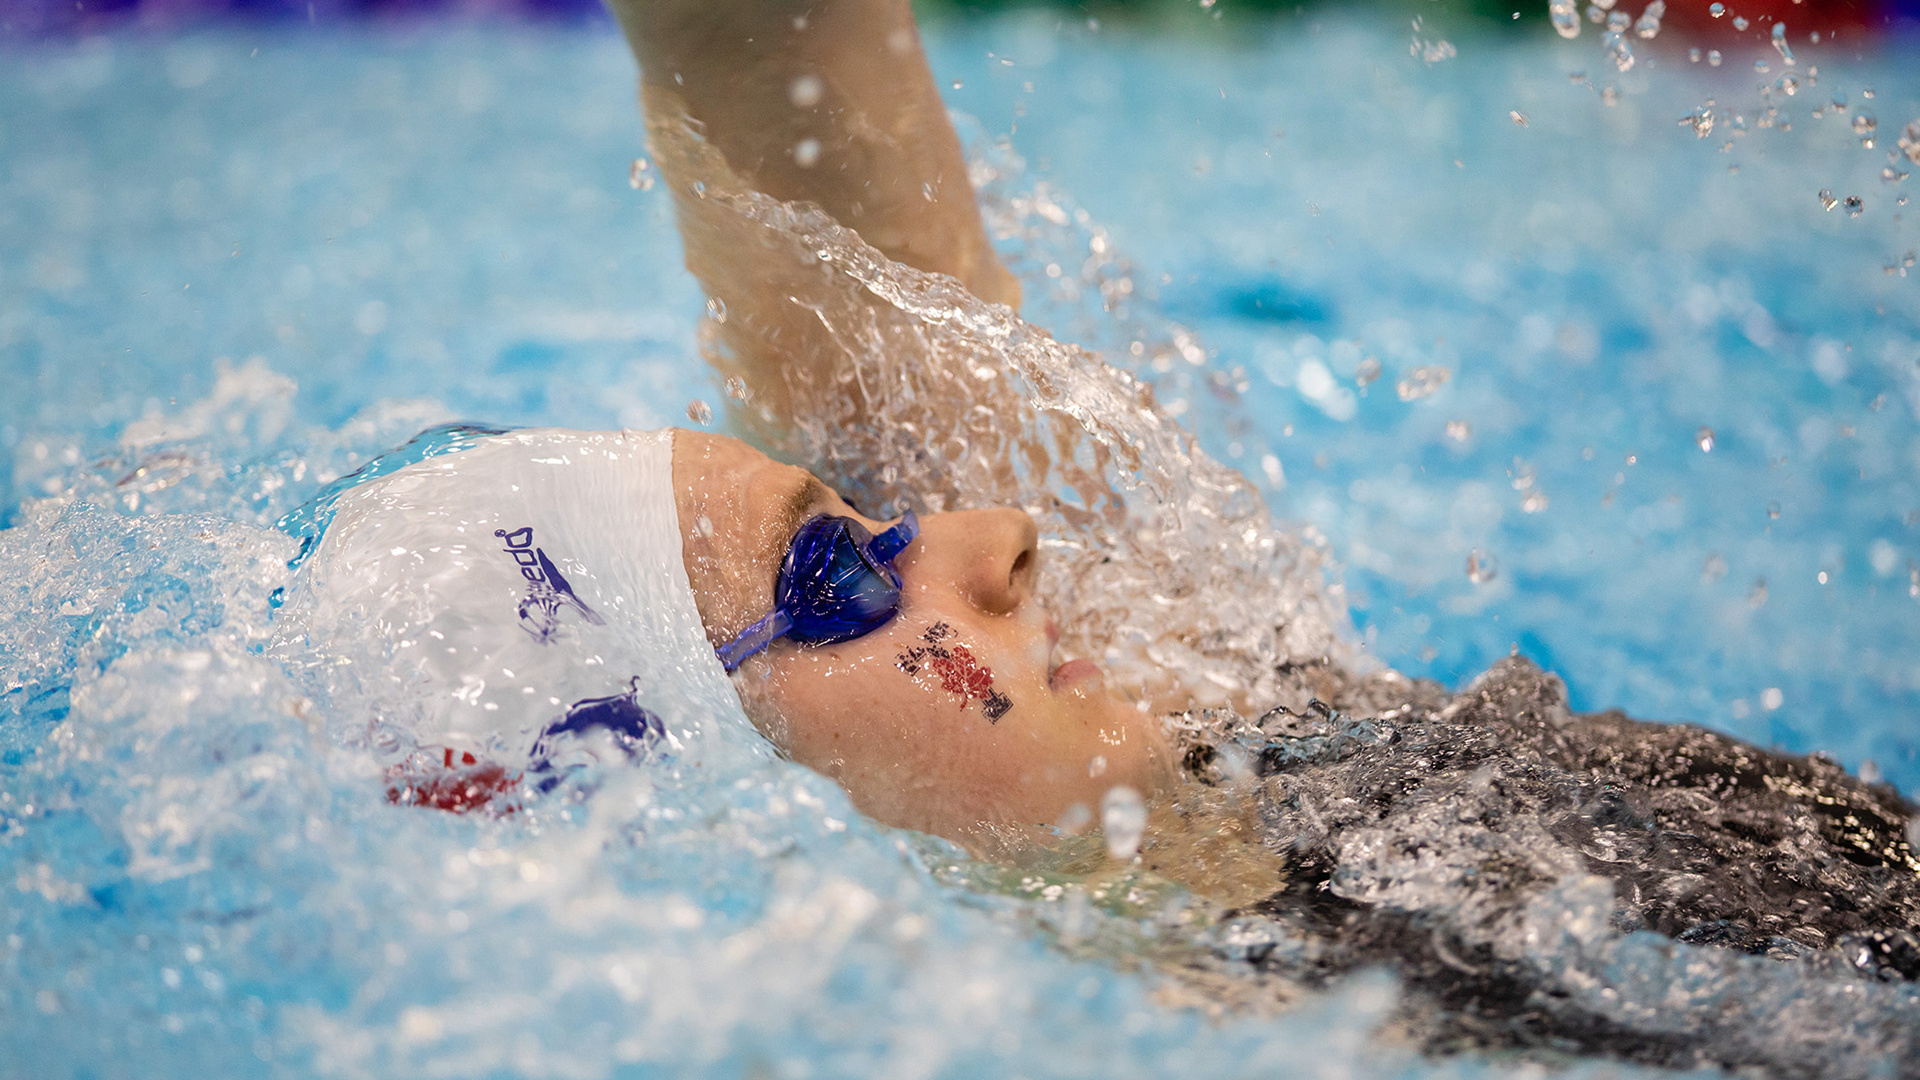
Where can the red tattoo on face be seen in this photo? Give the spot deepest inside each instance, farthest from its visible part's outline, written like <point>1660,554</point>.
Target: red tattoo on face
<point>959,673</point>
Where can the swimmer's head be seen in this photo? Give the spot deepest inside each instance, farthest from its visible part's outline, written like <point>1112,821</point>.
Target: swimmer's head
<point>953,713</point>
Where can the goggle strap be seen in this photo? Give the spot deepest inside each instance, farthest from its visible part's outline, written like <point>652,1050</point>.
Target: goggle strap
<point>754,638</point>
<point>884,547</point>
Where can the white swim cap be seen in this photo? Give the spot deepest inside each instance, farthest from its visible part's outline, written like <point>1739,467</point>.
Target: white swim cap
<point>482,593</point>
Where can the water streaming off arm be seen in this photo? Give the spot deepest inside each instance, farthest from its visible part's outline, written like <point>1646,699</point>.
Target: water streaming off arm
<point>1161,562</point>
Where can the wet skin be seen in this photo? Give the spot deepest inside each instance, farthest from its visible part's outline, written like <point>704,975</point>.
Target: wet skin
<point>901,716</point>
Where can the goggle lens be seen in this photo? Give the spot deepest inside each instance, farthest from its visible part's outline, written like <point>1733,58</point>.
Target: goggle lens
<point>837,583</point>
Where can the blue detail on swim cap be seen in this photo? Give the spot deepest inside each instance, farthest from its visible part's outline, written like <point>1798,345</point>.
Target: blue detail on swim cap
<point>837,583</point>
<point>633,727</point>
<point>310,519</point>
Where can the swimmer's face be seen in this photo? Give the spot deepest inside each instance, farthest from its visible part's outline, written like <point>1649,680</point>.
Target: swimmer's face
<point>956,712</point>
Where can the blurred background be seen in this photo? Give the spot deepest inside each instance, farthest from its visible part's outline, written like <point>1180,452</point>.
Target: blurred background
<point>69,16</point>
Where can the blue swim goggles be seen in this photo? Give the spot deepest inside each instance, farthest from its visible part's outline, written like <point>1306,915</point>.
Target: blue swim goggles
<point>837,583</point>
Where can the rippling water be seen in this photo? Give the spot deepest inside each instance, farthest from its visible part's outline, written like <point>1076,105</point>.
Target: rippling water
<point>237,266</point>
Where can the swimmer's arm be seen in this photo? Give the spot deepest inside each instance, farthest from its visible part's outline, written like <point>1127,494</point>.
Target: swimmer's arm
<point>773,83</point>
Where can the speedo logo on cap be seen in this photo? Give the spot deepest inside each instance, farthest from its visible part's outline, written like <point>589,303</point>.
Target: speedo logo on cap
<point>547,589</point>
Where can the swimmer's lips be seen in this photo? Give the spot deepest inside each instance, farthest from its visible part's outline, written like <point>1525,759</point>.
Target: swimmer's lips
<point>1071,674</point>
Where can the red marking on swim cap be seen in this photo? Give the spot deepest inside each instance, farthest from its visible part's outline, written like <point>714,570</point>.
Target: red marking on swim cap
<point>470,784</point>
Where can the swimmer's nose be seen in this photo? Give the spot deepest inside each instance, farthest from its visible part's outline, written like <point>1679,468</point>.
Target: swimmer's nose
<point>992,557</point>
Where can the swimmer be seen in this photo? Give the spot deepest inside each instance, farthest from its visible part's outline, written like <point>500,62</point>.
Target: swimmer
<point>942,705</point>
<point>544,582</point>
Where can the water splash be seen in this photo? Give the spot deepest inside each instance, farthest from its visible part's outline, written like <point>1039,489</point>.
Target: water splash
<point>923,387</point>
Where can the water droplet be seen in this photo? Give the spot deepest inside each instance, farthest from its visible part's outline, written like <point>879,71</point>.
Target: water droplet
<point>1693,54</point>
<point>1367,371</point>
<point>699,412</point>
<point>806,153</point>
<point>1481,567</point>
<point>1867,92</point>
<point>1705,438</point>
<point>1853,205</point>
<point>1716,9</point>
<point>737,388</point>
<point>1713,569</point>
<point>703,525</point>
<point>1739,22</point>
<point>1123,817</point>
<point>716,309</point>
<point>1422,382</point>
<point>1773,509</point>
<point>1780,43</point>
<point>1648,25</point>
<point>805,91</point>
<point>1827,201</point>
<point>1565,17</point>
<point>1771,698</point>
<point>1074,819</point>
<point>1864,123</point>
<point>1596,14</point>
<point>1619,47</point>
<point>1713,57</point>
<point>1517,117</point>
<point>640,175</point>
<point>1869,772</point>
<point>1459,430</point>
<point>1821,577</point>
<point>1097,765</point>
<point>1762,66</point>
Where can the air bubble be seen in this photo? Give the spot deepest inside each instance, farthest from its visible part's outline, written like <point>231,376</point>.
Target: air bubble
<point>700,412</point>
<point>1123,818</point>
<point>1704,437</point>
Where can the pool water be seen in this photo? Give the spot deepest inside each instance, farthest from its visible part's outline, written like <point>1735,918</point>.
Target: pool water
<point>238,264</point>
